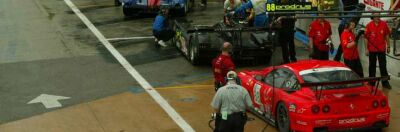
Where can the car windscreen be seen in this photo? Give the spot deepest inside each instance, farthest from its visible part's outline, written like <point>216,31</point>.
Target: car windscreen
<point>331,74</point>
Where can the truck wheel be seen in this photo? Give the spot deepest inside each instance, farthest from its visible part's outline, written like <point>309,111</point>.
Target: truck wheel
<point>117,3</point>
<point>194,52</point>
<point>282,118</point>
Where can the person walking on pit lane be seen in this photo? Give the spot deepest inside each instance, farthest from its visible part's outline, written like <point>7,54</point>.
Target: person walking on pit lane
<point>230,103</point>
<point>350,51</point>
<point>161,30</point>
<point>377,44</point>
<point>222,65</point>
<point>319,32</point>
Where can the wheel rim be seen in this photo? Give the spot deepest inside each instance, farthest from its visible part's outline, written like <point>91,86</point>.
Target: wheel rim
<point>282,117</point>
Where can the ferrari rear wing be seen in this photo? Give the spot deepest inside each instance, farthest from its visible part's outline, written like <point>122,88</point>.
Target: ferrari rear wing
<point>368,79</point>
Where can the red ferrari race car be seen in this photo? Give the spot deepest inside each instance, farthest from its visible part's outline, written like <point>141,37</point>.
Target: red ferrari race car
<point>313,95</point>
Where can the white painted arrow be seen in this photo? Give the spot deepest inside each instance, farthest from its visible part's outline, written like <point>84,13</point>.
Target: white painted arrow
<point>49,101</point>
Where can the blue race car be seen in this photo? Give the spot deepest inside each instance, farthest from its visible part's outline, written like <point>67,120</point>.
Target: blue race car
<point>135,7</point>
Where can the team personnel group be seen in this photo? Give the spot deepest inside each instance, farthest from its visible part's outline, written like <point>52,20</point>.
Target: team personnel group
<point>376,42</point>
<point>231,110</point>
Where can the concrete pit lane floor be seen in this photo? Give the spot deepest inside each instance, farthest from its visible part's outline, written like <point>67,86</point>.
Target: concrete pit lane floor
<point>56,76</point>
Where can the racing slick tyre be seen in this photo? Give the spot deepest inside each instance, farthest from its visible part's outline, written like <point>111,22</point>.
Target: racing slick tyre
<point>117,3</point>
<point>194,51</point>
<point>282,118</point>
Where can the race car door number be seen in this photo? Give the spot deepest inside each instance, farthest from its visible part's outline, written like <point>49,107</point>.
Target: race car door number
<point>256,91</point>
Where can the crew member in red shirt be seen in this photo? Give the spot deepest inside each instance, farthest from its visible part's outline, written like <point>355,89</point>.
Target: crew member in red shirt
<point>320,30</point>
<point>222,65</point>
<point>350,51</point>
<point>377,43</point>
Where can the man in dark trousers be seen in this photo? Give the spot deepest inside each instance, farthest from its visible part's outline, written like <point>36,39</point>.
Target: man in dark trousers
<point>286,36</point>
<point>161,30</point>
<point>377,44</point>
<point>222,65</point>
<point>230,103</point>
<point>348,5</point>
<point>350,50</point>
<point>320,31</point>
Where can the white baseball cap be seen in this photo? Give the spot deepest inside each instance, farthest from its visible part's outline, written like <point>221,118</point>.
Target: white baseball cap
<point>231,75</point>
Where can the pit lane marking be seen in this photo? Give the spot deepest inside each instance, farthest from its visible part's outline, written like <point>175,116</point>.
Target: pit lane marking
<point>130,38</point>
<point>132,71</point>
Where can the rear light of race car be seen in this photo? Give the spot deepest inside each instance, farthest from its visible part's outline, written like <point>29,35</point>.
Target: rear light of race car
<point>315,109</point>
<point>375,104</point>
<point>383,102</point>
<point>326,109</point>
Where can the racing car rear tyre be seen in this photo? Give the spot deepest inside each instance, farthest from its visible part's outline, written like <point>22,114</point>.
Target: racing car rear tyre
<point>283,121</point>
<point>194,52</point>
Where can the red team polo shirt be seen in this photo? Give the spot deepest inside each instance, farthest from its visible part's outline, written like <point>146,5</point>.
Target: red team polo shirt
<point>346,38</point>
<point>224,64</point>
<point>375,35</point>
<point>319,33</point>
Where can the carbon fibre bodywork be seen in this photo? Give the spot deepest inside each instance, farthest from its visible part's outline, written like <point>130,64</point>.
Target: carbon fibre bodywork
<point>203,42</point>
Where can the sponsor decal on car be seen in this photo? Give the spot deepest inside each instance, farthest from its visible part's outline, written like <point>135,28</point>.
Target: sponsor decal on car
<point>352,120</point>
<point>338,95</point>
<point>301,110</point>
<point>323,122</point>
<point>250,82</point>
<point>256,91</point>
<point>292,107</point>
<point>302,123</point>
<point>382,116</point>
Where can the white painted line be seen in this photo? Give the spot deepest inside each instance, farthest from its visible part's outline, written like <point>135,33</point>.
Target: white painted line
<point>134,73</point>
<point>130,38</point>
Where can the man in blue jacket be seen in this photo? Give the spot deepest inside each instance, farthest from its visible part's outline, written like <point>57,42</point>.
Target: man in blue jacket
<point>259,7</point>
<point>161,30</point>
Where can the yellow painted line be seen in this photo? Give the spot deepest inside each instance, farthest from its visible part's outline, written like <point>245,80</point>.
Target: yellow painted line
<point>187,87</point>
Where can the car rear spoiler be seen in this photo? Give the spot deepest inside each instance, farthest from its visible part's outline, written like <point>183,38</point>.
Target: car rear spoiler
<point>368,79</point>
